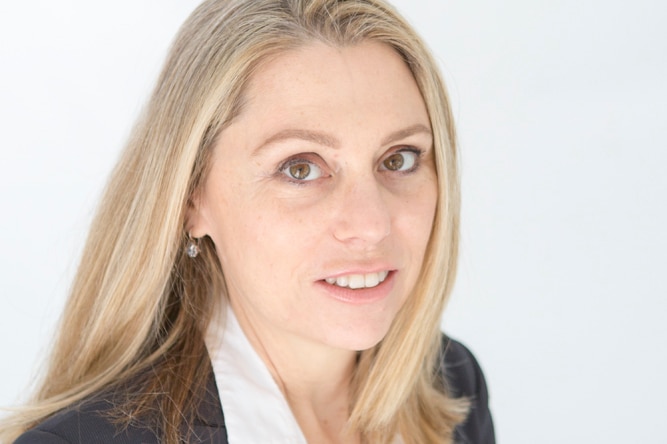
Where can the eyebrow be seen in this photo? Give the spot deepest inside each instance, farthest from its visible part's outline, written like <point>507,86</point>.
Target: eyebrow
<point>322,138</point>
<point>318,137</point>
<point>406,132</point>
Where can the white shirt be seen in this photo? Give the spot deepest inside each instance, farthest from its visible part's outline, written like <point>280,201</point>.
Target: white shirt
<point>255,409</point>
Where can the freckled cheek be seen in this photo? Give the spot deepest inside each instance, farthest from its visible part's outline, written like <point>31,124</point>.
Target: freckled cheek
<point>279,230</point>
<point>233,223</point>
<point>415,216</point>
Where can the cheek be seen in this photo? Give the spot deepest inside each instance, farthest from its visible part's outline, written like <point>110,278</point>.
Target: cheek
<point>418,211</point>
<point>415,227</point>
<point>259,240</point>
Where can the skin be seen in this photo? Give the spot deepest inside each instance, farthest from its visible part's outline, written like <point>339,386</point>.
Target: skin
<point>328,171</point>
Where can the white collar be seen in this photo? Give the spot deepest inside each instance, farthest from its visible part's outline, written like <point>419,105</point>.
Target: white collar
<point>254,408</point>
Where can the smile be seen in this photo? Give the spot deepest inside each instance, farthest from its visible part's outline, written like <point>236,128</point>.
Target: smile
<point>355,281</point>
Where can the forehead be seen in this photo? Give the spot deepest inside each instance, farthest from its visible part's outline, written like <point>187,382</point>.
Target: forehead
<point>354,96</point>
<point>361,79</point>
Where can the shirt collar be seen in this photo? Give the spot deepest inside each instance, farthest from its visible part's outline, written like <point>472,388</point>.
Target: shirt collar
<point>255,409</point>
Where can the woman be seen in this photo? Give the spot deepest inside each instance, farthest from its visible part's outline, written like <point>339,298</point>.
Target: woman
<point>275,247</point>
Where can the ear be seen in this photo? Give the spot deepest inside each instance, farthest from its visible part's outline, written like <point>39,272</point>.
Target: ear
<point>195,220</point>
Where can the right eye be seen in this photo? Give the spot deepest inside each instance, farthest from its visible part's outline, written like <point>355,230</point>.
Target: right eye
<point>301,170</point>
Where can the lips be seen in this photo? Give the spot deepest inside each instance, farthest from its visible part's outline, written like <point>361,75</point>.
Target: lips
<point>357,281</point>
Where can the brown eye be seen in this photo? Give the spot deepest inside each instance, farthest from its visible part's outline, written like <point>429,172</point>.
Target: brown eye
<point>394,162</point>
<point>405,160</point>
<point>301,170</point>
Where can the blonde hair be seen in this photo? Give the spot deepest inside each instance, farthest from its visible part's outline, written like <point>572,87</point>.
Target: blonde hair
<point>139,305</point>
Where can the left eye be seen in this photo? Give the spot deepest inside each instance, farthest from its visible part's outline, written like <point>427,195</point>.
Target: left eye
<point>400,161</point>
<point>301,170</point>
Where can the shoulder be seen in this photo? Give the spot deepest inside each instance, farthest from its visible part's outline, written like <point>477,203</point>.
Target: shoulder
<point>461,371</point>
<point>85,423</point>
<point>463,377</point>
<point>92,422</point>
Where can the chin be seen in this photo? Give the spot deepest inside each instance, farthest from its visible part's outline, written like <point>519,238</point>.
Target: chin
<point>359,339</point>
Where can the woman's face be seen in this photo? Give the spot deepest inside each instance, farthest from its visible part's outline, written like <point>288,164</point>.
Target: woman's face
<point>321,195</point>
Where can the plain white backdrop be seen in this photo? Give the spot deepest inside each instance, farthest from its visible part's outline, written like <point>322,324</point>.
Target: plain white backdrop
<point>562,118</point>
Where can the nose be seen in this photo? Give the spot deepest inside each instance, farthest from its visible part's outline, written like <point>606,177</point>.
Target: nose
<point>363,217</point>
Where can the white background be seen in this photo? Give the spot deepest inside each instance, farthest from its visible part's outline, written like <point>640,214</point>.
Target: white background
<point>561,110</point>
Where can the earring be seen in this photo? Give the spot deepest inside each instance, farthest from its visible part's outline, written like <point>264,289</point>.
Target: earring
<point>193,248</point>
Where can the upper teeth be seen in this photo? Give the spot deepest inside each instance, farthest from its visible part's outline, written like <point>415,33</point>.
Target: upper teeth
<point>355,281</point>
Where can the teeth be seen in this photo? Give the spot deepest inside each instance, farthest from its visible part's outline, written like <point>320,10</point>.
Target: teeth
<point>355,281</point>
<point>371,280</point>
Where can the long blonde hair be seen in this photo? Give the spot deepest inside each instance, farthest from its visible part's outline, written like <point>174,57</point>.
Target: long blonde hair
<point>139,305</point>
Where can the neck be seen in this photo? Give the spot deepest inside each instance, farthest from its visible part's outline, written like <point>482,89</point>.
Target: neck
<point>314,378</point>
